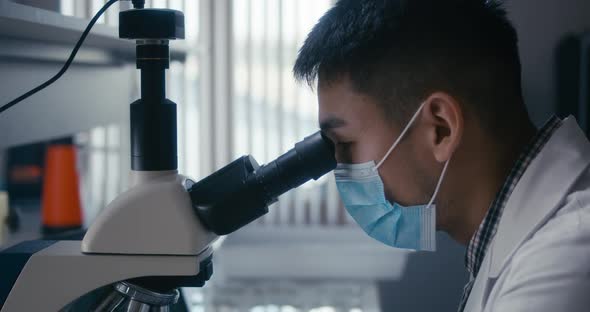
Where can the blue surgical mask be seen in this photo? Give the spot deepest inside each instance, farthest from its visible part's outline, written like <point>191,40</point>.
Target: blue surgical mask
<point>362,192</point>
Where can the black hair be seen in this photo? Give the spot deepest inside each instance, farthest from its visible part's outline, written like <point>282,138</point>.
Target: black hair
<point>399,52</point>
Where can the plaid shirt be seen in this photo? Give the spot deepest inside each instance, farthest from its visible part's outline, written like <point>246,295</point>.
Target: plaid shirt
<point>478,245</point>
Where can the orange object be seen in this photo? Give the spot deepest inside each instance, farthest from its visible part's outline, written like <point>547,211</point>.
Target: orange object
<point>61,208</point>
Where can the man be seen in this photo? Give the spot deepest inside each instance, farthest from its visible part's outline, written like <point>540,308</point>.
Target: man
<point>423,101</point>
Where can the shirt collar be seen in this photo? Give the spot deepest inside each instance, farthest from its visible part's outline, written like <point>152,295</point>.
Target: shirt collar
<point>479,242</point>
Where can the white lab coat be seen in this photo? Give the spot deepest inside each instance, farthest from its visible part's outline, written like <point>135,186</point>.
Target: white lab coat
<point>539,259</point>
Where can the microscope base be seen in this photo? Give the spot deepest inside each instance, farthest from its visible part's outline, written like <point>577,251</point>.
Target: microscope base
<point>56,275</point>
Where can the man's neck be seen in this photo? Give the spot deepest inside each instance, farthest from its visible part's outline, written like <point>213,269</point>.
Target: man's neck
<point>492,170</point>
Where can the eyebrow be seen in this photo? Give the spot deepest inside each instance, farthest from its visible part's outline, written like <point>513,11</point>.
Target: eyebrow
<point>332,123</point>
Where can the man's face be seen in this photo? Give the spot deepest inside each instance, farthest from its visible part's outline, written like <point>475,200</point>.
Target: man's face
<point>361,132</point>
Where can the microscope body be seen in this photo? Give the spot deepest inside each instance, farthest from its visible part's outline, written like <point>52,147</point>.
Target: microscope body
<point>149,240</point>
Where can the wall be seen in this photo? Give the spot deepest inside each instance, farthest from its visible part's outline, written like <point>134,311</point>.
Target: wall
<point>541,25</point>
<point>43,4</point>
<point>90,94</point>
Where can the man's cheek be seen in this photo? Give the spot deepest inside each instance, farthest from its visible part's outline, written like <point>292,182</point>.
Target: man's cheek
<point>365,152</point>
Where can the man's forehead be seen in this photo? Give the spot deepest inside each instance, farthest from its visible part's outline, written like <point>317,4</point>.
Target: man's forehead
<point>339,105</point>
<point>337,98</point>
<point>336,109</point>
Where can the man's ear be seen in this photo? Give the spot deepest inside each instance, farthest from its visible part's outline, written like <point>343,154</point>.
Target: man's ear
<point>444,116</point>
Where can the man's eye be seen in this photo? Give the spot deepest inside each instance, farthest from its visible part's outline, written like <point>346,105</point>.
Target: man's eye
<point>344,146</point>
<point>344,152</point>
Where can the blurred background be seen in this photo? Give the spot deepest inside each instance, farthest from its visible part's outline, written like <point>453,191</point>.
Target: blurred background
<point>232,81</point>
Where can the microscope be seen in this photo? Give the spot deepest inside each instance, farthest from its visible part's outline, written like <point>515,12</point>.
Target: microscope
<point>155,237</point>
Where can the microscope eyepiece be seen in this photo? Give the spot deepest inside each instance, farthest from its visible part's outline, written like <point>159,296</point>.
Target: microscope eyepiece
<point>240,192</point>
<point>310,159</point>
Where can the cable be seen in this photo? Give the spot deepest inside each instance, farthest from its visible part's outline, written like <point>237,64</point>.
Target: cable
<point>66,65</point>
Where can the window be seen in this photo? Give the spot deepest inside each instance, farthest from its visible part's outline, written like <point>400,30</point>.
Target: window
<point>271,112</point>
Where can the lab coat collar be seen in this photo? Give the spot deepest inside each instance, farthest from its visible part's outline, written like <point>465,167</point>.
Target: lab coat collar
<point>540,190</point>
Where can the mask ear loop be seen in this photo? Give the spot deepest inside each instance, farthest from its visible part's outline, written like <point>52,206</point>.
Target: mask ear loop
<point>400,137</point>
<point>442,176</point>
